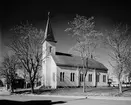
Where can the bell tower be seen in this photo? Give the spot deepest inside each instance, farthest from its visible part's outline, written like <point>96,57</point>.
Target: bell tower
<point>49,39</point>
<point>48,48</point>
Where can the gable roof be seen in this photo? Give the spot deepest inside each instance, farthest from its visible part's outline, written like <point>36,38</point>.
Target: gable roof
<point>68,60</point>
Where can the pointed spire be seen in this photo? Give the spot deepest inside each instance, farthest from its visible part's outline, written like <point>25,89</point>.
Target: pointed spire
<point>49,36</point>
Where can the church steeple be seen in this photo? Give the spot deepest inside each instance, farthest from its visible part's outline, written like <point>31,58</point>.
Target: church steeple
<point>49,36</point>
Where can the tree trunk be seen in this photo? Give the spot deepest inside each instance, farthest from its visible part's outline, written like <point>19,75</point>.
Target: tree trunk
<point>7,86</point>
<point>32,86</point>
<point>129,80</point>
<point>12,89</point>
<point>120,86</point>
<point>83,74</point>
<point>84,84</point>
<point>25,85</point>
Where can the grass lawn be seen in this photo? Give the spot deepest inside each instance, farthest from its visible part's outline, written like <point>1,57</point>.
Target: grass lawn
<point>90,91</point>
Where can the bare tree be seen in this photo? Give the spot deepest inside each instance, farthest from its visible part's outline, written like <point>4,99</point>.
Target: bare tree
<point>117,41</point>
<point>27,44</point>
<point>83,30</point>
<point>127,64</point>
<point>24,74</point>
<point>8,70</point>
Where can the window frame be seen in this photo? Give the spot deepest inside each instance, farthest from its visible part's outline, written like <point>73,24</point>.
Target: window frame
<point>104,78</point>
<point>72,77</point>
<point>62,76</point>
<point>97,78</point>
<point>90,77</point>
<point>81,77</point>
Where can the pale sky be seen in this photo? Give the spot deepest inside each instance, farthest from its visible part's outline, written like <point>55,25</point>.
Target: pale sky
<point>105,13</point>
<point>0,45</point>
<point>65,41</point>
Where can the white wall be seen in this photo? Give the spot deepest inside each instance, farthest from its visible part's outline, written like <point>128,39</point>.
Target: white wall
<point>46,75</point>
<point>47,72</point>
<point>48,66</point>
<point>43,69</point>
<point>67,81</point>
<point>87,83</point>
<point>87,78</point>
<point>53,68</point>
<point>101,83</point>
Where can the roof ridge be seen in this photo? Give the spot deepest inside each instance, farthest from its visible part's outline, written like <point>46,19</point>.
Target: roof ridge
<point>76,61</point>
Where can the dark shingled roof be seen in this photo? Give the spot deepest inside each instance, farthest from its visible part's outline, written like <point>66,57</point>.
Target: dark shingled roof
<point>68,60</point>
<point>49,36</point>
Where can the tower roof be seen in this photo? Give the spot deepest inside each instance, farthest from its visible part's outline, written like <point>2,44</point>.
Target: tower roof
<point>49,36</point>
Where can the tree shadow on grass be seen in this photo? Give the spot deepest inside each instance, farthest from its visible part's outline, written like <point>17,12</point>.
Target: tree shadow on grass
<point>36,91</point>
<point>101,89</point>
<point>32,102</point>
<point>21,92</point>
<point>39,91</point>
<point>127,89</point>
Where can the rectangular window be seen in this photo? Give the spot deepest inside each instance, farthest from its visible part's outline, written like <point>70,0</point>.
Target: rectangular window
<point>72,77</point>
<point>81,78</point>
<point>97,78</point>
<point>90,77</point>
<point>104,78</point>
<point>61,76</point>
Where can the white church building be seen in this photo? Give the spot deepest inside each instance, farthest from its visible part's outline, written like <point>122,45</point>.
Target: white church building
<point>63,70</point>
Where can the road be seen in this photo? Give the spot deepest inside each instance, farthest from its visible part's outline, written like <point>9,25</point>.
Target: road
<point>35,100</point>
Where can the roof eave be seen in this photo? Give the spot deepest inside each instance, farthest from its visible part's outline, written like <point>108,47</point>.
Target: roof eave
<point>80,66</point>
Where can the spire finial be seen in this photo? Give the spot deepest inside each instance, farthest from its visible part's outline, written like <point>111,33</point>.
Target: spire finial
<point>49,36</point>
<point>49,13</point>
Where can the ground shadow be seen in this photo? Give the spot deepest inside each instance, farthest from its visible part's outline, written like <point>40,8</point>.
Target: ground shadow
<point>21,92</point>
<point>32,102</point>
<point>36,91</point>
<point>101,89</point>
<point>127,89</point>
